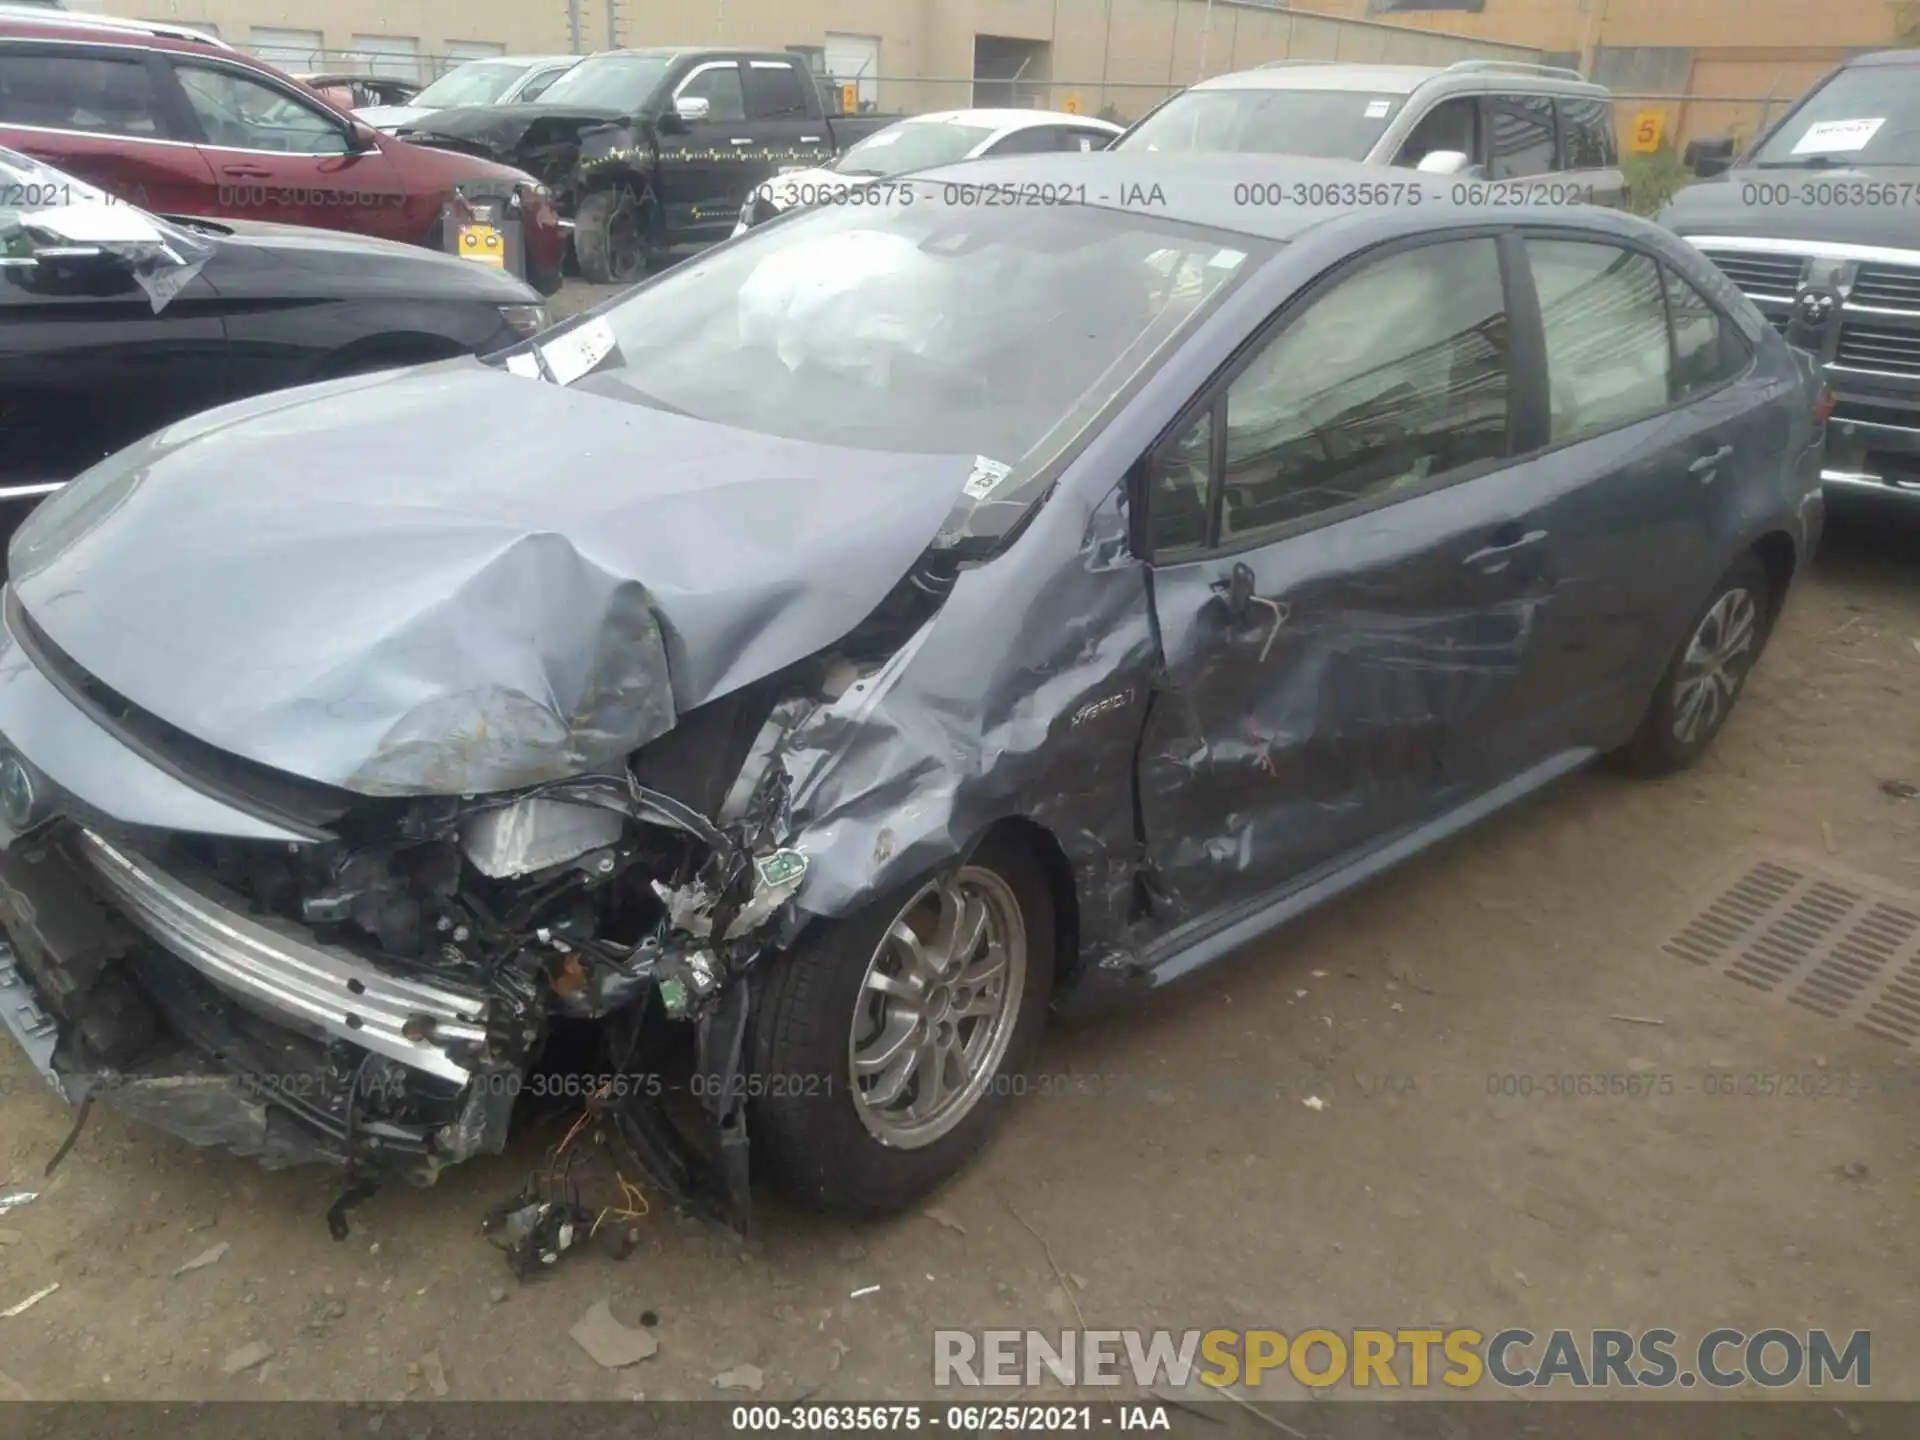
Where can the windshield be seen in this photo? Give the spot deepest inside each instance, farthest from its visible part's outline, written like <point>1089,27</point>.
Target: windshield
<point>613,82</point>
<point>911,145</point>
<point>479,82</point>
<point>919,326</point>
<point>1321,124</point>
<point>1865,116</point>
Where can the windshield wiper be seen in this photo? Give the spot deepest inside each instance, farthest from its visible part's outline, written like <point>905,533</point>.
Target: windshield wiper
<point>863,172</point>
<point>1805,162</point>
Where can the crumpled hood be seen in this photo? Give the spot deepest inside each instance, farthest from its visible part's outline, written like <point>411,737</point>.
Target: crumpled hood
<point>519,135</point>
<point>1771,203</point>
<point>458,580</point>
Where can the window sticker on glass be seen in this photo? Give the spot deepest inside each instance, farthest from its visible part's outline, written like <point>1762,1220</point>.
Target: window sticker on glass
<point>1377,108</point>
<point>1831,135</point>
<point>524,365</point>
<point>986,477</point>
<point>573,354</point>
<point>1226,259</point>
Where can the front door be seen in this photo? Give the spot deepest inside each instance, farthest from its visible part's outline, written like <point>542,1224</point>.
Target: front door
<point>87,366</point>
<point>279,157</point>
<point>702,165</point>
<point>1347,576</point>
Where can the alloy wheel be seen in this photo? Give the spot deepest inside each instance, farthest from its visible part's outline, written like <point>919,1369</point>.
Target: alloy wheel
<point>1716,662</point>
<point>937,1007</point>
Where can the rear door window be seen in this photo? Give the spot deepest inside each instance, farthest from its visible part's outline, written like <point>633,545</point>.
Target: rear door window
<point>95,94</point>
<point>1451,125</point>
<point>1519,136</point>
<point>1605,316</point>
<point>1586,134</point>
<point>775,92</point>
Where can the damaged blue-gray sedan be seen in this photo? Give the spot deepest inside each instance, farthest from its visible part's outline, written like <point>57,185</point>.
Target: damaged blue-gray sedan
<point>749,708</point>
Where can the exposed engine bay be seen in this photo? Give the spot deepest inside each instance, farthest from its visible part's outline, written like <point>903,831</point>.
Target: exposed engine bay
<point>443,958</point>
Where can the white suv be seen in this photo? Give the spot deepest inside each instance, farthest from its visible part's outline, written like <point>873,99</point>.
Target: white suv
<point>1497,120</point>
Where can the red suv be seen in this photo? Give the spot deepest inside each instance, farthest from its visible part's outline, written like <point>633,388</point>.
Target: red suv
<point>184,124</point>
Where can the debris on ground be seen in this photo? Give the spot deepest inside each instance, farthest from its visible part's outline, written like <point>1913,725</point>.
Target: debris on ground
<point>1854,1169</point>
<point>17,1199</point>
<point>1636,1019</point>
<point>1314,1103</point>
<point>1900,789</point>
<point>536,1233</point>
<point>210,1256</point>
<point>435,1373</point>
<point>840,1352</point>
<point>863,1290</point>
<point>497,1295</point>
<point>740,1377</point>
<point>612,1345</point>
<point>28,1303</point>
<point>940,1217</point>
<point>246,1357</point>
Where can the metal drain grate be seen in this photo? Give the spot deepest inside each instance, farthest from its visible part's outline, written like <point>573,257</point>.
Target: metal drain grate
<point>1841,947</point>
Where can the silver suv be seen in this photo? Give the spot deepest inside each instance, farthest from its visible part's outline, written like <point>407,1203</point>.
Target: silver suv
<point>1499,120</point>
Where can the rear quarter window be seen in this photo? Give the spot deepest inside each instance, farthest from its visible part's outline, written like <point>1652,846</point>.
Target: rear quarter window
<point>1586,135</point>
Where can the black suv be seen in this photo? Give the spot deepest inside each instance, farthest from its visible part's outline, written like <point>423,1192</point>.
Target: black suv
<point>1816,223</point>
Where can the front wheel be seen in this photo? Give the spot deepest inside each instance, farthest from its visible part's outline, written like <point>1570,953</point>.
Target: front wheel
<point>613,237</point>
<point>885,1047</point>
<point>1706,674</point>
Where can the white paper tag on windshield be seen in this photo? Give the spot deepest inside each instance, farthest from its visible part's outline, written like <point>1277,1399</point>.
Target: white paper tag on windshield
<point>1831,135</point>
<point>573,354</point>
<point>524,364</point>
<point>986,477</point>
<point>1377,108</point>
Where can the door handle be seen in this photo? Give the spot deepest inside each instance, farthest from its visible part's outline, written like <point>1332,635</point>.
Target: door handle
<point>1707,465</point>
<point>246,172</point>
<point>1237,591</point>
<point>743,139</point>
<point>809,139</point>
<point>1505,542</point>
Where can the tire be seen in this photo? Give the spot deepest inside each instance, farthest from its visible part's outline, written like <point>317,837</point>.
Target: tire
<point>1683,717</point>
<point>813,1014</point>
<point>600,242</point>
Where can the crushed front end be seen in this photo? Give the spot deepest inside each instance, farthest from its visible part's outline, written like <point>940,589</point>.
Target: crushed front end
<point>372,981</point>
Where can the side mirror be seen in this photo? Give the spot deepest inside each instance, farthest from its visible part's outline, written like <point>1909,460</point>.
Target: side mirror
<point>692,108</point>
<point>362,138</point>
<point>1709,156</point>
<point>1445,162</point>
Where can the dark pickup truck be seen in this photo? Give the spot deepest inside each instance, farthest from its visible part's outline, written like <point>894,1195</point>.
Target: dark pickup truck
<point>650,150</point>
<point>1816,222</point>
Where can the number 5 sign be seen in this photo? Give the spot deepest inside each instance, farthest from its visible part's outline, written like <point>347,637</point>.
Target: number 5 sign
<point>1648,126</point>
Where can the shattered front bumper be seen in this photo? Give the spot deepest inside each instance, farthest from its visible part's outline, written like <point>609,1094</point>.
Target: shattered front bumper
<point>131,984</point>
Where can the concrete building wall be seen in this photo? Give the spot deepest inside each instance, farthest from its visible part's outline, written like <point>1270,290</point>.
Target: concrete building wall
<point>1122,54</point>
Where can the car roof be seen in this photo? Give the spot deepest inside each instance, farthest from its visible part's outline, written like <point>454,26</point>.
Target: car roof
<point>66,25</point>
<point>1888,58</point>
<point>1404,79</point>
<point>1008,119</point>
<point>1210,190</point>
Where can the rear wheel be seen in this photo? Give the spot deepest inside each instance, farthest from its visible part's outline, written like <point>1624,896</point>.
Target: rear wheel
<point>885,1046</point>
<point>1706,674</point>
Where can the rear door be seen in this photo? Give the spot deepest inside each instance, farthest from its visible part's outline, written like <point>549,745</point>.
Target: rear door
<point>1521,138</point>
<point>786,129</point>
<point>702,166</point>
<point>1645,420</point>
<point>104,114</point>
<point>1347,576</point>
<point>1589,150</point>
<point>278,156</point>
